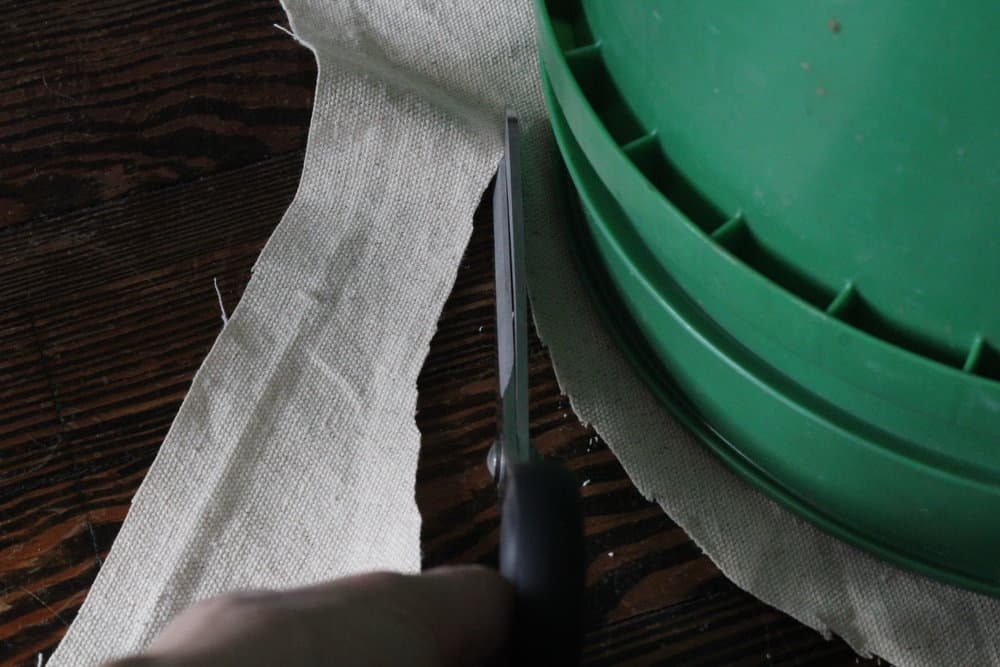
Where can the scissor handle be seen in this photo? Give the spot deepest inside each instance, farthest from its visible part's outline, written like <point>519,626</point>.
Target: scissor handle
<point>541,554</point>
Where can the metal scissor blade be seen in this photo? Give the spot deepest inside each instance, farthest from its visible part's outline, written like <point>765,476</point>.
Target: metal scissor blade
<point>511,299</point>
<point>541,529</point>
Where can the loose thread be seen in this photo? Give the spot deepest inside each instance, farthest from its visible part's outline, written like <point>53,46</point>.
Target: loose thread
<point>291,34</point>
<point>43,603</point>
<point>222,307</point>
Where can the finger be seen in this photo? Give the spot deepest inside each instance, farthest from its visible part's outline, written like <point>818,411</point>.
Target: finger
<point>446,617</point>
<point>468,610</point>
<point>461,614</point>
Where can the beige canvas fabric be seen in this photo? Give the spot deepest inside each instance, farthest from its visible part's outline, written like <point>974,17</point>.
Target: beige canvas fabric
<point>293,457</point>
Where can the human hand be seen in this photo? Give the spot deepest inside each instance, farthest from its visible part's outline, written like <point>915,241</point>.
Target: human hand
<point>448,617</point>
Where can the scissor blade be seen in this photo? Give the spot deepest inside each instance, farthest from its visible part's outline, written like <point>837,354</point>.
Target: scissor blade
<point>511,299</point>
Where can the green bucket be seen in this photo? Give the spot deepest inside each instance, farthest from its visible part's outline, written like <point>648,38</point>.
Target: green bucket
<point>787,212</point>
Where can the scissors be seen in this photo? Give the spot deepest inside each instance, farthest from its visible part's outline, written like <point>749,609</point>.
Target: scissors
<point>541,533</point>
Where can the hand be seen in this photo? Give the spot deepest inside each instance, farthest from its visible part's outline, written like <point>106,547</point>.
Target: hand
<point>448,617</point>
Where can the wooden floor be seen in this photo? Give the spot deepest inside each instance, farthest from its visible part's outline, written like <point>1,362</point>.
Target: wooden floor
<point>147,150</point>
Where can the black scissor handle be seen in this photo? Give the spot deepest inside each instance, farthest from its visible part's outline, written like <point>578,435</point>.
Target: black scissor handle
<point>541,554</point>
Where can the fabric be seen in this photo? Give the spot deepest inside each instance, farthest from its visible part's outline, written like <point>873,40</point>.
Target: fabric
<point>293,457</point>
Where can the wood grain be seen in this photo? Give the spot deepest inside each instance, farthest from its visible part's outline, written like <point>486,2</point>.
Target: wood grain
<point>148,149</point>
<point>98,100</point>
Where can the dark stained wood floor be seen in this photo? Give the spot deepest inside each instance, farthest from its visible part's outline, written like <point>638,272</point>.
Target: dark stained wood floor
<point>147,149</point>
